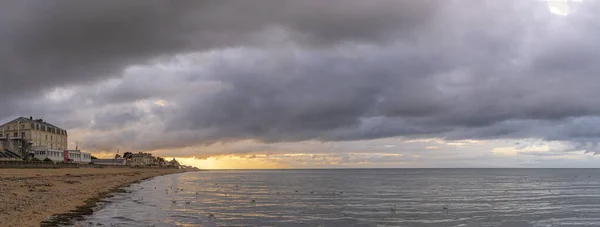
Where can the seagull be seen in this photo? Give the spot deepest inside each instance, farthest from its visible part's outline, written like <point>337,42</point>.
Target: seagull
<point>173,201</point>
<point>393,209</point>
<point>188,202</point>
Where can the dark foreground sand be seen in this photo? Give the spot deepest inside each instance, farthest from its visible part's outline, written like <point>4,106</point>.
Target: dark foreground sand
<point>30,196</point>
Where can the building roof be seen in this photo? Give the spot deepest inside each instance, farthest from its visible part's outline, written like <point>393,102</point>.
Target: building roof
<point>9,154</point>
<point>141,155</point>
<point>32,120</point>
<point>110,160</point>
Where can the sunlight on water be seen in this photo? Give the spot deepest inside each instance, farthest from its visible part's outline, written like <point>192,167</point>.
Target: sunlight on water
<point>393,197</point>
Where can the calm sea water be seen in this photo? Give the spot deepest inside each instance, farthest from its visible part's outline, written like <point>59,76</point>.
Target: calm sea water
<point>374,197</point>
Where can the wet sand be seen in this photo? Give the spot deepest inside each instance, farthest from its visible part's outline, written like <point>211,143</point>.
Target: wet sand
<point>30,196</point>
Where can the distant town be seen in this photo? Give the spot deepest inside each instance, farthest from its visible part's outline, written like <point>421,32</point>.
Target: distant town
<point>34,140</point>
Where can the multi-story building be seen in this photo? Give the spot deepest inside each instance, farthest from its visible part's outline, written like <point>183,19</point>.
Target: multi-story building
<point>39,134</point>
<point>141,159</point>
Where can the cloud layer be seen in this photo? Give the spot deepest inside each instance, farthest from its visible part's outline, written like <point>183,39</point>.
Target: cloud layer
<point>152,75</point>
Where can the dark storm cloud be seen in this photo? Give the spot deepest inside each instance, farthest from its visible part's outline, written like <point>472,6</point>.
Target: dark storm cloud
<point>288,70</point>
<point>509,76</point>
<point>52,43</point>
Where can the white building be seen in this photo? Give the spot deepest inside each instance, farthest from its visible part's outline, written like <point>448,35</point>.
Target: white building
<point>69,156</point>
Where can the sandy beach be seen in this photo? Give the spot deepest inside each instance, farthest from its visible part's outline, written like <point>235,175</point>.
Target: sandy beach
<point>29,196</point>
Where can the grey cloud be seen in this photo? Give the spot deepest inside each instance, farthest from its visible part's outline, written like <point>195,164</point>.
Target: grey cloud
<point>115,118</point>
<point>489,88</point>
<point>52,43</point>
<point>305,70</point>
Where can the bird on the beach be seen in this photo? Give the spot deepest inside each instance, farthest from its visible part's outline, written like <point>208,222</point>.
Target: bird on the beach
<point>311,192</point>
<point>341,192</point>
<point>188,202</point>
<point>445,209</point>
<point>197,193</point>
<point>211,216</point>
<point>173,201</point>
<point>296,190</point>
<point>393,209</point>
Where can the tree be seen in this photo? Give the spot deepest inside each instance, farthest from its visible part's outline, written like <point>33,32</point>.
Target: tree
<point>47,160</point>
<point>127,155</point>
<point>94,157</point>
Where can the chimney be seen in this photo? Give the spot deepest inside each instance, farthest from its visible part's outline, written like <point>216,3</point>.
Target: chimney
<point>30,117</point>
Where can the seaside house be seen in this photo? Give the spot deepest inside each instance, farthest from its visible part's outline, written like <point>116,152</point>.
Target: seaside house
<point>141,159</point>
<point>36,131</point>
<point>23,135</point>
<point>173,163</point>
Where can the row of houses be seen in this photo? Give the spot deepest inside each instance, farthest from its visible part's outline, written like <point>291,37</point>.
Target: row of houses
<point>34,139</point>
<point>137,159</point>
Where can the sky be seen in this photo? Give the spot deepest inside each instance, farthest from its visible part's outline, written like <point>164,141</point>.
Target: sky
<point>311,83</point>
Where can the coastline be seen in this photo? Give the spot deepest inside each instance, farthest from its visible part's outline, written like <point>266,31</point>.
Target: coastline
<point>29,197</point>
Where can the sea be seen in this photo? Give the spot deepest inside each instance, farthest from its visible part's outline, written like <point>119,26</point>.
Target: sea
<point>358,197</point>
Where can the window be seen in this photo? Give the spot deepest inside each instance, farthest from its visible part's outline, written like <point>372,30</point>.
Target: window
<point>32,125</point>
<point>23,134</point>
<point>16,134</point>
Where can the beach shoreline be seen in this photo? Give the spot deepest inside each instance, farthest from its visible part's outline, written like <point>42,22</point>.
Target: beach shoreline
<point>29,197</point>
